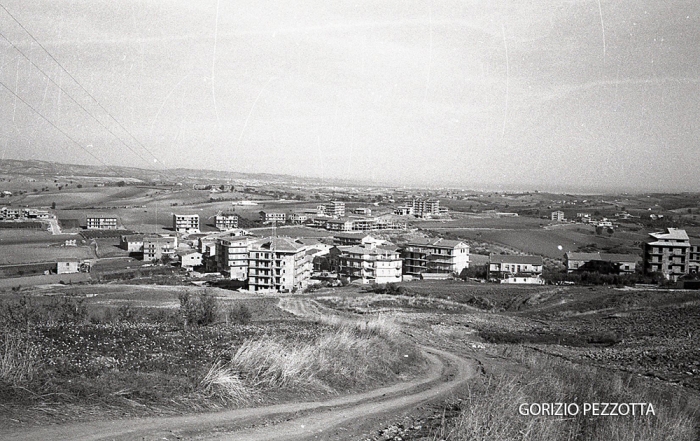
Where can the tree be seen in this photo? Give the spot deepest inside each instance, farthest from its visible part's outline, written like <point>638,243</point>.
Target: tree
<point>53,205</point>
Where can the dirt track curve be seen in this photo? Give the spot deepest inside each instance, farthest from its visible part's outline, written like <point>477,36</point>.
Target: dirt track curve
<point>293,421</point>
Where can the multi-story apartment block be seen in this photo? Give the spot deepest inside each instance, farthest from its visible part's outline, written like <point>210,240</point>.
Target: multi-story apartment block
<point>186,223</point>
<point>339,225</point>
<point>515,269</point>
<point>297,218</point>
<point>403,210</point>
<point>334,209</point>
<point>626,263</point>
<point>425,208</point>
<point>232,257</point>
<point>694,257</point>
<point>226,221</point>
<point>349,239</point>
<point>558,216</point>
<point>668,253</point>
<point>268,217</point>
<point>101,223</point>
<point>278,264</point>
<point>155,248</point>
<point>431,255</point>
<point>371,264</point>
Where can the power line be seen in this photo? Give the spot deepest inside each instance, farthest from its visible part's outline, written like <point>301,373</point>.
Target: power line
<point>83,88</point>
<point>72,99</point>
<point>55,126</point>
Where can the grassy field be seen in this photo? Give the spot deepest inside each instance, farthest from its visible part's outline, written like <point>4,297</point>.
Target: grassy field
<point>38,252</point>
<point>123,350</point>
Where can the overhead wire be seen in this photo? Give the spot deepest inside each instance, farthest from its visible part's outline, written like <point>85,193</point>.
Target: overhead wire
<point>140,144</point>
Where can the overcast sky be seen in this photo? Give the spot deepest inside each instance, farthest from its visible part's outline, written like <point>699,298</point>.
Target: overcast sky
<point>483,94</point>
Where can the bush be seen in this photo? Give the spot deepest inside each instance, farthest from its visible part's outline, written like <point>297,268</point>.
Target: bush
<point>198,310</point>
<point>238,314</point>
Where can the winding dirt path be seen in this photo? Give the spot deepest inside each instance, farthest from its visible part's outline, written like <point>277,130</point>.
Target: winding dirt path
<point>293,421</point>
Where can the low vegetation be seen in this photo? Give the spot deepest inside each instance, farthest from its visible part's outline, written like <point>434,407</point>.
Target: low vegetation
<point>204,353</point>
<point>491,410</point>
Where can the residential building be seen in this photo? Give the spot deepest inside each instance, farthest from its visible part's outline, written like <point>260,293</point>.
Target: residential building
<point>67,266</point>
<point>558,216</point>
<point>186,223</point>
<point>334,209</point>
<point>155,248</point>
<point>207,244</point>
<point>349,239</point>
<point>232,257</point>
<point>371,264</point>
<point>101,223</point>
<point>668,253</point>
<point>339,225</point>
<point>226,221</point>
<point>278,264</point>
<point>132,243</point>
<point>191,259</point>
<point>515,269</point>
<point>694,257</point>
<point>297,218</point>
<point>363,211</point>
<point>435,255</point>
<point>268,217</point>
<point>403,210</point>
<point>625,263</point>
<point>425,208</point>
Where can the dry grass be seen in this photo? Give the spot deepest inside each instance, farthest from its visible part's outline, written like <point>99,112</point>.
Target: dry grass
<point>491,410</point>
<point>19,360</point>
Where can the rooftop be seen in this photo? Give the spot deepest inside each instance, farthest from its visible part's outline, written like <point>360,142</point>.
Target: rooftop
<point>605,257</point>
<point>522,260</point>
<point>671,234</point>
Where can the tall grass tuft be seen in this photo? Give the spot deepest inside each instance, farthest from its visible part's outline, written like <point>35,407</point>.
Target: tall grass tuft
<point>19,360</point>
<point>222,382</point>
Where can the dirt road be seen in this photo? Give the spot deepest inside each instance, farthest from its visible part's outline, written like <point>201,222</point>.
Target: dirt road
<point>320,420</point>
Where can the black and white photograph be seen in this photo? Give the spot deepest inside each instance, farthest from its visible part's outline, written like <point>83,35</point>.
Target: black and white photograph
<point>410,220</point>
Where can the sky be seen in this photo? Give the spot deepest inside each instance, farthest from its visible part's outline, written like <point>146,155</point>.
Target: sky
<point>548,95</point>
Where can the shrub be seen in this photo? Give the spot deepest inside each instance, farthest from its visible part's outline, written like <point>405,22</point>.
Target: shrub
<point>19,359</point>
<point>198,310</point>
<point>239,314</point>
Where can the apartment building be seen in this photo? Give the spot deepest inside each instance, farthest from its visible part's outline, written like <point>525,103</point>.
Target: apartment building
<point>232,257</point>
<point>515,269</point>
<point>132,243</point>
<point>226,221</point>
<point>186,223</point>
<point>350,239</point>
<point>155,248</point>
<point>334,209</point>
<point>558,216</point>
<point>431,255</point>
<point>191,259</point>
<point>667,252</point>
<point>626,263</point>
<point>269,217</point>
<point>371,264</point>
<point>278,264</point>
<point>297,218</point>
<point>694,257</point>
<point>425,208</point>
<point>101,223</point>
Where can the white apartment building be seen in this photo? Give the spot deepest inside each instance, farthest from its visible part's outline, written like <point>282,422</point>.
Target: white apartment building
<point>101,223</point>
<point>278,264</point>
<point>186,223</point>
<point>371,264</point>
<point>516,269</point>
<point>232,257</point>
<point>435,255</point>
<point>226,221</point>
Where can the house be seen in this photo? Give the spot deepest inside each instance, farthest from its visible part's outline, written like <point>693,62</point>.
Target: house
<point>232,257</point>
<point>345,239</point>
<point>278,264</point>
<point>623,263</point>
<point>515,269</point>
<point>155,248</point>
<point>186,223</point>
<point>268,217</point>
<point>334,209</point>
<point>226,221</point>
<point>190,259</point>
<point>132,243</point>
<point>558,216</point>
<point>363,211</point>
<point>370,264</point>
<point>296,218</point>
<point>431,255</point>
<point>68,266</point>
<point>667,252</point>
<point>101,223</point>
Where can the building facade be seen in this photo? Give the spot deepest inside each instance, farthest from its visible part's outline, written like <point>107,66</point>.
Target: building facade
<point>226,221</point>
<point>232,257</point>
<point>278,264</point>
<point>626,263</point>
<point>334,209</point>
<point>558,216</point>
<point>186,223</point>
<point>269,217</point>
<point>667,252</point>
<point>132,243</point>
<point>101,223</point>
<point>433,255</point>
<point>515,269</point>
<point>155,248</point>
<point>370,264</point>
